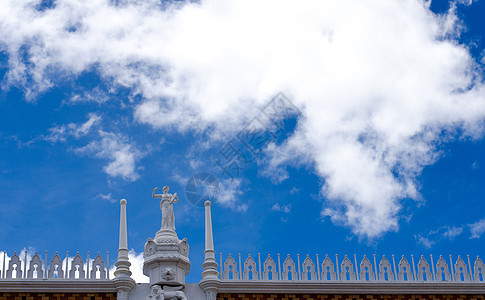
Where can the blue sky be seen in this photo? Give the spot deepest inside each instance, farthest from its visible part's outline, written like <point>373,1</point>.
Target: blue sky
<point>382,153</point>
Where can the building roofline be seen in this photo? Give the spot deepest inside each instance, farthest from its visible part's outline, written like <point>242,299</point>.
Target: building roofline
<point>57,286</point>
<point>289,287</point>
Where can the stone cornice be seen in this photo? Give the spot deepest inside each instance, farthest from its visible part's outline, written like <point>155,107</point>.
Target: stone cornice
<point>288,287</point>
<point>58,286</point>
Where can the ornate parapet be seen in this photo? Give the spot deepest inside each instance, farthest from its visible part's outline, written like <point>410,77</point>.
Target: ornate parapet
<point>57,268</point>
<point>350,271</point>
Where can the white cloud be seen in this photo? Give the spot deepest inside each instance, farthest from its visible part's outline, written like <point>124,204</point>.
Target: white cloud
<point>436,235</point>
<point>426,242</point>
<point>117,149</point>
<point>95,95</point>
<point>61,133</point>
<point>107,145</point>
<point>229,190</point>
<point>477,229</point>
<point>452,232</point>
<point>106,197</point>
<point>284,208</point>
<point>377,81</point>
<point>136,267</point>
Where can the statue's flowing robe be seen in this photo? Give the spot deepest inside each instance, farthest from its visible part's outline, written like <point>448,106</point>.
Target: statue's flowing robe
<point>168,219</point>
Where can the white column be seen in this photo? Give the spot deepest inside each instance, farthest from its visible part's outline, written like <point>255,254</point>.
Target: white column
<point>210,264</point>
<point>123,282</point>
<point>210,277</point>
<point>123,240</point>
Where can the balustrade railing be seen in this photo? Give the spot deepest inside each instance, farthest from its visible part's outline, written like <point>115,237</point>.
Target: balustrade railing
<point>351,271</point>
<point>31,267</point>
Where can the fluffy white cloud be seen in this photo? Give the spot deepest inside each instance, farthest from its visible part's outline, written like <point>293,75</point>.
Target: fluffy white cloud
<point>228,192</point>
<point>136,267</point>
<point>107,145</point>
<point>117,149</point>
<point>378,82</point>
<point>477,229</point>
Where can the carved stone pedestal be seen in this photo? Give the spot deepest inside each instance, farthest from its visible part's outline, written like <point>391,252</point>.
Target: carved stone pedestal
<point>166,263</point>
<point>166,259</point>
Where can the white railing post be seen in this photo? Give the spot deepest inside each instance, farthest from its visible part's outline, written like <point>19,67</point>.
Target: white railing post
<point>336,265</point>
<point>470,267</point>
<point>452,271</point>
<point>279,266</point>
<point>395,272</point>
<point>66,274</point>
<point>240,267</point>
<point>45,265</point>
<point>25,265</point>
<point>299,270</point>
<point>87,267</point>
<point>414,269</point>
<point>5,255</point>
<point>107,264</point>
<point>318,269</point>
<point>376,274</point>
<point>356,268</point>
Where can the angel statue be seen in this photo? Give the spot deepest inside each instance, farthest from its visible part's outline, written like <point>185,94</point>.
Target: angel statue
<point>168,219</point>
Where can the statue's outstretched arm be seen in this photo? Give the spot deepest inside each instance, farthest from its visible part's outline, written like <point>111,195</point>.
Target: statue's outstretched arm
<point>156,195</point>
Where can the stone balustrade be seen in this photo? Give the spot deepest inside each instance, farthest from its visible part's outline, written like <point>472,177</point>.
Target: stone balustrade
<point>349,270</point>
<point>32,267</point>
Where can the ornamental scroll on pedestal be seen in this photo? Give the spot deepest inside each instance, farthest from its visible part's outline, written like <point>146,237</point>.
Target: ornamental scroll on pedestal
<point>166,257</point>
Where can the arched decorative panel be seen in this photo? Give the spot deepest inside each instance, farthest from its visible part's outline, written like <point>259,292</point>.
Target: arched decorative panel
<point>442,272</point>
<point>328,270</point>
<point>14,267</point>
<point>461,271</point>
<point>424,273</point>
<point>347,271</point>
<point>309,269</point>
<point>269,272</point>
<point>77,268</point>
<point>289,269</point>
<point>479,270</point>
<point>250,271</point>
<point>230,269</point>
<point>35,270</point>
<point>150,248</point>
<point>385,270</point>
<point>405,273</point>
<point>366,273</point>
<point>55,267</point>
<point>98,266</point>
